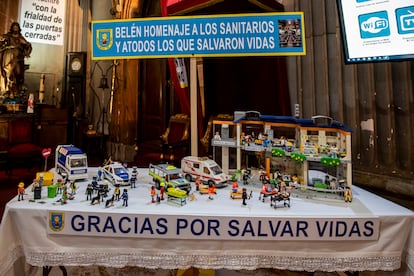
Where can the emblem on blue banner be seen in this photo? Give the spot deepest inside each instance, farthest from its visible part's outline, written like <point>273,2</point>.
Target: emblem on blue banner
<point>56,221</point>
<point>104,39</point>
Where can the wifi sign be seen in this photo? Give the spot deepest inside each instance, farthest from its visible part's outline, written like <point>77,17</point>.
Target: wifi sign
<point>374,25</point>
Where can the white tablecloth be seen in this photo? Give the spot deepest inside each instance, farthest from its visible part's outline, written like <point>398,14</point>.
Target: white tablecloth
<point>24,233</point>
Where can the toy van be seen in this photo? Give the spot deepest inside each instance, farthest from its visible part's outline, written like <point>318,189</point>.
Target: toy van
<point>72,162</point>
<point>169,176</point>
<point>208,170</point>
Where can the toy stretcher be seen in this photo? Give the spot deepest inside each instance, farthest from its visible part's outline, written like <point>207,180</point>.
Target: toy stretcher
<point>236,195</point>
<point>264,194</point>
<point>203,189</point>
<point>285,198</point>
<point>239,194</point>
<point>177,196</point>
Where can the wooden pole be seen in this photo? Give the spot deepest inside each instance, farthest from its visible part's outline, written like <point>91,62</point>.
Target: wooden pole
<point>193,106</point>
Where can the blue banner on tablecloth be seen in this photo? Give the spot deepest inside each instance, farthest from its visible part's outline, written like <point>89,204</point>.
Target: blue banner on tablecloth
<point>213,227</point>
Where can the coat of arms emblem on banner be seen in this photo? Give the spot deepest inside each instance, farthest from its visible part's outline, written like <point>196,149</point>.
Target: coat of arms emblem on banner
<point>56,221</point>
<point>104,39</point>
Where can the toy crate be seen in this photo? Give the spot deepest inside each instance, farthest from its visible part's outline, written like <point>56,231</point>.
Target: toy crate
<point>47,178</point>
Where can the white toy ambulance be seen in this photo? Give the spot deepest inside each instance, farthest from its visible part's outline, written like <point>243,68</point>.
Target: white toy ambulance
<point>208,170</point>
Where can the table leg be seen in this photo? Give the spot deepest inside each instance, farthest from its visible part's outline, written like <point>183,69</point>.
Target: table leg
<point>47,269</point>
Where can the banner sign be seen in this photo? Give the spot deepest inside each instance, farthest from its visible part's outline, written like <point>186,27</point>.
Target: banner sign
<point>212,227</point>
<point>262,34</point>
<point>43,21</point>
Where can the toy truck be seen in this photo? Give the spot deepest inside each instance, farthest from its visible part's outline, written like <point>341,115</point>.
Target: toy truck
<point>72,162</point>
<point>208,170</point>
<point>169,176</point>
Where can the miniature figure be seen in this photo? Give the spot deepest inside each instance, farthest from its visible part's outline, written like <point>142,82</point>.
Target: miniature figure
<point>277,175</point>
<point>134,174</point>
<point>65,178</point>
<point>334,151</point>
<point>266,141</point>
<point>262,174</point>
<point>198,183</point>
<point>211,191</point>
<point>162,190</point>
<point>283,142</point>
<point>99,174</point>
<point>327,181</point>
<point>295,179</point>
<point>333,185</point>
<point>153,193</point>
<point>103,190</point>
<point>217,136</point>
<point>266,187</point>
<point>40,181</point>
<point>117,192</point>
<point>192,197</point>
<point>59,186</point>
<point>95,185</point>
<point>37,189</point>
<point>133,182</point>
<point>110,202</point>
<point>89,191</point>
<point>96,199</point>
<point>348,194</point>
<point>244,196</point>
<point>35,183</point>
<point>20,191</point>
<point>235,187</point>
<point>125,198</point>
<point>73,187</point>
<point>246,176</point>
<point>284,189</point>
<point>65,196</point>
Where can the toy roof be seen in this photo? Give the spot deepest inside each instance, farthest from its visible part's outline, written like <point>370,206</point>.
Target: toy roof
<point>318,121</point>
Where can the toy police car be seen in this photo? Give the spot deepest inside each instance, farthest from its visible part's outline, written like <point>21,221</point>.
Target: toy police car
<point>116,173</point>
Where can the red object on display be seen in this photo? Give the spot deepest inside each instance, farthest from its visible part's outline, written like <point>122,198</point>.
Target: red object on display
<point>172,2</point>
<point>46,152</point>
<point>180,6</point>
<point>182,92</point>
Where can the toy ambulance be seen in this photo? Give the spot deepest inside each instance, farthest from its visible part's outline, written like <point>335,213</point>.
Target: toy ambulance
<point>71,161</point>
<point>208,170</point>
